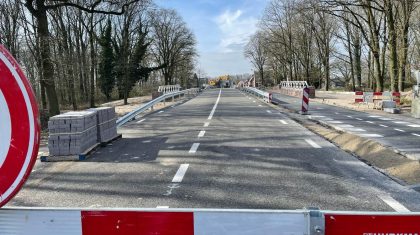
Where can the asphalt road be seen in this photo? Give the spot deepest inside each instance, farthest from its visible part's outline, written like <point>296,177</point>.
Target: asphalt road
<point>399,132</point>
<point>221,149</point>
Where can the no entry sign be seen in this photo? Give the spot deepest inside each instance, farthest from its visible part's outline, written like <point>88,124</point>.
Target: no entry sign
<point>19,127</point>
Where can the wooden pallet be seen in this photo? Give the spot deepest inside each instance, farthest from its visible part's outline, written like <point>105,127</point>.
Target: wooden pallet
<point>79,157</point>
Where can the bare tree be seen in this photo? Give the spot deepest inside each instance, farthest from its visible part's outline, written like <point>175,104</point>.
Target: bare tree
<point>255,52</point>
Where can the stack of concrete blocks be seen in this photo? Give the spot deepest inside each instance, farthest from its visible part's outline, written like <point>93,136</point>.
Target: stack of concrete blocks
<point>72,133</point>
<point>106,123</point>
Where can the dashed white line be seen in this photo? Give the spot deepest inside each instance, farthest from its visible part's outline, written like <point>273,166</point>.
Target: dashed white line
<point>141,121</point>
<point>371,135</point>
<point>283,122</point>
<point>161,111</point>
<point>359,119</point>
<point>370,122</point>
<point>345,126</point>
<point>337,113</point>
<point>373,116</point>
<point>201,134</point>
<point>394,204</point>
<point>399,122</point>
<point>180,173</point>
<point>399,130</point>
<point>349,116</point>
<point>206,124</point>
<point>194,148</point>
<point>254,101</point>
<point>312,143</point>
<point>259,105</point>
<point>335,122</point>
<point>215,106</point>
<point>268,111</point>
<point>358,129</point>
<point>413,125</point>
<point>383,125</point>
<point>415,134</point>
<point>162,207</point>
<point>386,119</point>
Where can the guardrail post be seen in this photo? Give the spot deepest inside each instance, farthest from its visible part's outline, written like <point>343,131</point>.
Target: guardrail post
<point>316,221</point>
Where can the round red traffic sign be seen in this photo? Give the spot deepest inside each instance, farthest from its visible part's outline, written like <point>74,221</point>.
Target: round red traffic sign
<point>19,127</point>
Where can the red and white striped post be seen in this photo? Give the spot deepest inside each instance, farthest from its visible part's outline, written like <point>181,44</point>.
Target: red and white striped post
<point>305,101</point>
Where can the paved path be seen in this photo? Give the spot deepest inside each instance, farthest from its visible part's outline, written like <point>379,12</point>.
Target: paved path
<point>220,150</point>
<point>399,132</point>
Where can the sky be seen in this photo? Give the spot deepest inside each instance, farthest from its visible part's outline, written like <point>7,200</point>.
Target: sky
<point>222,28</point>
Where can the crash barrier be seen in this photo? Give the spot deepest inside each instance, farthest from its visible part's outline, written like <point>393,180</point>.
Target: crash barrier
<point>169,89</point>
<point>132,115</point>
<point>44,221</point>
<point>295,88</point>
<point>305,101</point>
<point>378,99</point>
<point>266,96</point>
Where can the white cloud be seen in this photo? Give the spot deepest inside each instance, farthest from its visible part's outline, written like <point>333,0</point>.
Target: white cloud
<point>235,29</point>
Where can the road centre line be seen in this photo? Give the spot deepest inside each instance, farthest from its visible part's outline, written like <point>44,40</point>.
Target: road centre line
<point>370,122</point>
<point>141,121</point>
<point>206,124</point>
<point>413,125</point>
<point>398,122</point>
<point>349,116</point>
<point>254,101</point>
<point>201,134</point>
<point>358,129</point>
<point>382,125</point>
<point>268,111</point>
<point>399,130</point>
<point>161,111</point>
<point>371,135</point>
<point>373,116</point>
<point>180,173</point>
<point>283,122</point>
<point>194,148</point>
<point>394,204</point>
<point>359,119</point>
<point>386,119</point>
<point>215,106</point>
<point>259,105</point>
<point>335,122</point>
<point>312,143</point>
<point>415,134</point>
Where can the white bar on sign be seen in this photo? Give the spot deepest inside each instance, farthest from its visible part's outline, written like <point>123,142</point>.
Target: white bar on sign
<point>239,223</point>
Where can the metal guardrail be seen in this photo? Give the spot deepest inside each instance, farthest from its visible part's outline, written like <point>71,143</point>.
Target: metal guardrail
<point>294,84</point>
<point>130,116</point>
<point>259,93</point>
<point>169,88</point>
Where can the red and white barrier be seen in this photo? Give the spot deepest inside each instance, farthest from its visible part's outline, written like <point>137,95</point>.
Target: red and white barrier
<point>305,100</point>
<point>175,222</point>
<point>358,97</point>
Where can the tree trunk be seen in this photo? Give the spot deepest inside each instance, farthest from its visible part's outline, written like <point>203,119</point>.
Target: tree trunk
<point>92,69</point>
<point>47,65</point>
<point>392,36</point>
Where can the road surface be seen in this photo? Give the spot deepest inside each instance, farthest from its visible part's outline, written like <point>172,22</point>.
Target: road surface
<point>221,149</point>
<point>399,132</point>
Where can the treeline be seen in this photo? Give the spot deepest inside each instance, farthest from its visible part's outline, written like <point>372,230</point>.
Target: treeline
<point>78,52</point>
<point>368,44</point>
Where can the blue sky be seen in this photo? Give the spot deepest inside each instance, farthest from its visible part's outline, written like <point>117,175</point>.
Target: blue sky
<point>222,28</point>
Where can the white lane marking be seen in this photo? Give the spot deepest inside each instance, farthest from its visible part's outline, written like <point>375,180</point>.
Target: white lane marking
<point>371,135</point>
<point>194,148</point>
<point>345,126</point>
<point>373,116</point>
<point>370,122</point>
<point>349,116</point>
<point>413,125</point>
<point>206,124</point>
<point>161,111</point>
<point>386,119</point>
<point>312,143</point>
<point>259,105</point>
<point>382,125</point>
<point>249,98</point>
<point>268,111</point>
<point>359,119</point>
<point>415,134</point>
<point>201,134</point>
<point>399,130</point>
<point>180,173</point>
<point>316,116</point>
<point>141,121</point>
<point>283,122</point>
<point>394,204</point>
<point>335,122</point>
<point>215,106</point>
<point>162,207</point>
<point>358,129</point>
<point>254,101</point>
<point>337,113</point>
<point>398,122</point>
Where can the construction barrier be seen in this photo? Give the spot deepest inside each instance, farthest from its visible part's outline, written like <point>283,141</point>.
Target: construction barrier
<point>305,100</point>
<point>44,221</point>
<point>295,88</point>
<point>377,97</point>
<point>358,97</point>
